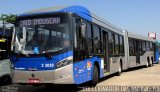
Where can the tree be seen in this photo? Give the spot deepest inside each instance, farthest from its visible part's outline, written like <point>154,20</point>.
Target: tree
<point>8,18</point>
<point>158,44</point>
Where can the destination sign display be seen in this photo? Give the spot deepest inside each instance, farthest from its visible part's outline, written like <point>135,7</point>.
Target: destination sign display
<point>40,21</point>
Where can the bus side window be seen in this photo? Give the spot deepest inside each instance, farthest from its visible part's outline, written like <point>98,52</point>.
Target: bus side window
<point>134,47</point>
<point>121,45</point>
<point>111,41</point>
<point>151,47</point>
<point>131,47</point>
<point>144,46</point>
<point>140,47</point>
<point>97,40</point>
<point>116,45</point>
<point>90,38</point>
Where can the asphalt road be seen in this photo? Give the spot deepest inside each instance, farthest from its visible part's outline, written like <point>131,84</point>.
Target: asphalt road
<point>133,77</point>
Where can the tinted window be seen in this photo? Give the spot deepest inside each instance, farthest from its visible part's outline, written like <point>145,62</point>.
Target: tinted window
<point>90,38</point>
<point>96,33</point>
<point>116,39</point>
<point>89,29</point>
<point>97,40</point>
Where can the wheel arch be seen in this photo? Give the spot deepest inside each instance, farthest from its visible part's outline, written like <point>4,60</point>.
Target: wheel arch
<point>98,67</point>
<point>121,63</point>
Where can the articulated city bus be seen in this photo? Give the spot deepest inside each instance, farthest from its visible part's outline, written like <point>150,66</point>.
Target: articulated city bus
<point>71,45</point>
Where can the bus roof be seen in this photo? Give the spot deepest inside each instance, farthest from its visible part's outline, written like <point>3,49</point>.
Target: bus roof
<point>86,14</point>
<point>79,10</point>
<point>140,37</point>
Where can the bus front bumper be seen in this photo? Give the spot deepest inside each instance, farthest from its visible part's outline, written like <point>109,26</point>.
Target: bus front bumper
<point>62,75</point>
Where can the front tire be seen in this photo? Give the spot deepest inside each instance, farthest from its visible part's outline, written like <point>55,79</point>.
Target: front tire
<point>5,80</point>
<point>95,76</point>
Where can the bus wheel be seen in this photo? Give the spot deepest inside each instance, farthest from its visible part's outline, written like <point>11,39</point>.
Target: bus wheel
<point>95,76</point>
<point>151,64</point>
<point>119,70</point>
<point>147,64</point>
<point>5,80</point>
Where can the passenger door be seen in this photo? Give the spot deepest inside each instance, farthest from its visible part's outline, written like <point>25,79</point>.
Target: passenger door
<point>105,48</point>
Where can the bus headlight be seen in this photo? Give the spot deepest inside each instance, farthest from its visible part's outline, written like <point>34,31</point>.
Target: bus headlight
<point>64,62</point>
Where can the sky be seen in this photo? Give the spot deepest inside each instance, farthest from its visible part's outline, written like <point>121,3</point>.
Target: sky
<point>137,16</point>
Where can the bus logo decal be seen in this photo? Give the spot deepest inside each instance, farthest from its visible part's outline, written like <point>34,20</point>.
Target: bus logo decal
<point>19,68</point>
<point>89,65</point>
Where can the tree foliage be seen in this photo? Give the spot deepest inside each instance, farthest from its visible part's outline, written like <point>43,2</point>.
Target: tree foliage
<point>158,44</point>
<point>9,18</point>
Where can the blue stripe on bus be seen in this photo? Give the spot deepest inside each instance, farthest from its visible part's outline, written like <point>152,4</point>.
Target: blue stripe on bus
<point>81,11</point>
<point>83,71</point>
<point>157,55</point>
<point>41,63</point>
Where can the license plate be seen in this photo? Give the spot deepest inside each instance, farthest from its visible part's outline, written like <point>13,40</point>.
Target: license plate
<point>33,80</point>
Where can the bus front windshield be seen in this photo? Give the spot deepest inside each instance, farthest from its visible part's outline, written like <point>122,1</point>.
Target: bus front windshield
<point>39,39</point>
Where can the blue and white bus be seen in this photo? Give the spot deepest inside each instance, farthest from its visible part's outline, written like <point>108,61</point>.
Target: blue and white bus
<point>71,45</point>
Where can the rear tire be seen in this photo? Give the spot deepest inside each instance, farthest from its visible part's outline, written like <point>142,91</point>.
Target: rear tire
<point>119,70</point>
<point>95,76</point>
<point>151,64</point>
<point>147,64</point>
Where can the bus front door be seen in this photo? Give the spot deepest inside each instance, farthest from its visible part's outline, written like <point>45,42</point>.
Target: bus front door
<point>105,48</point>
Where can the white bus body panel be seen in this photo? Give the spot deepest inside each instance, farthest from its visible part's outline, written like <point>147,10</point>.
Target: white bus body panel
<point>5,68</point>
<point>62,75</point>
<point>115,64</point>
<point>126,63</point>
